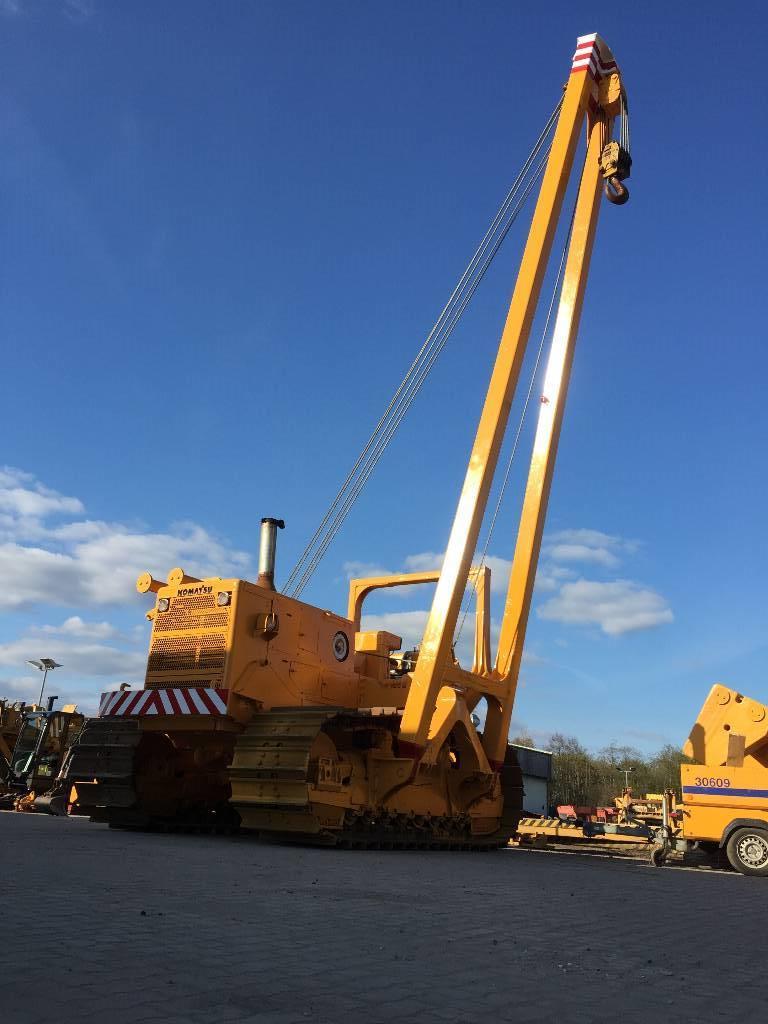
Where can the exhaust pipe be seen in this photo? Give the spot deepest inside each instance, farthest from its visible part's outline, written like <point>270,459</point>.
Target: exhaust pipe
<point>267,547</point>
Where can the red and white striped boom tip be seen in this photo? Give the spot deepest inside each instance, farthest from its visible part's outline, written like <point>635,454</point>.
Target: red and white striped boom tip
<point>187,700</point>
<point>593,55</point>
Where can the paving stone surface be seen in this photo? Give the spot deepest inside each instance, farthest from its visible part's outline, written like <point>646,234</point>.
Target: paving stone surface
<point>117,927</point>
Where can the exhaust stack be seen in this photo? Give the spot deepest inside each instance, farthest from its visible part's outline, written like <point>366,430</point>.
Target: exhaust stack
<point>267,547</point>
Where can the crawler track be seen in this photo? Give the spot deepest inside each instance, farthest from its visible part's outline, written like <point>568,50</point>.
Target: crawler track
<point>273,777</point>
<point>273,771</point>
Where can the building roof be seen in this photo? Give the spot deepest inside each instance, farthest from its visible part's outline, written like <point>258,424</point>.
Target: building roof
<point>533,762</point>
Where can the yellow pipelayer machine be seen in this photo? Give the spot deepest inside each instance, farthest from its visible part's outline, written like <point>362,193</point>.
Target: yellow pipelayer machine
<point>261,709</point>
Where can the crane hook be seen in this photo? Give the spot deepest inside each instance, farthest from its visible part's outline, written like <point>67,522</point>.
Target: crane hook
<point>615,192</point>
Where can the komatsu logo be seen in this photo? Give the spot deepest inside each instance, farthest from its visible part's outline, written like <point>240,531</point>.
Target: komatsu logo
<point>189,591</point>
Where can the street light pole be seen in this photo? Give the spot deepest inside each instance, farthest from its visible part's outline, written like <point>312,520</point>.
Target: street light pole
<point>42,688</point>
<point>626,771</point>
<point>45,665</point>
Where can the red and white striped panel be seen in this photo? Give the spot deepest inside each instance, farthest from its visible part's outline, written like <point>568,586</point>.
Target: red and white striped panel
<point>192,700</point>
<point>593,55</point>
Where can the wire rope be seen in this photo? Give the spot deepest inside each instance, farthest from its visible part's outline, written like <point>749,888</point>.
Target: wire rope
<point>407,399</point>
<point>421,366</point>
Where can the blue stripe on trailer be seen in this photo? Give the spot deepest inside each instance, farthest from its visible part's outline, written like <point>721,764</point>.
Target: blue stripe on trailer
<point>724,791</point>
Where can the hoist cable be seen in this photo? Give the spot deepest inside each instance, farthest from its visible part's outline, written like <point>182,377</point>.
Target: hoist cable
<point>406,399</point>
<point>515,443</point>
<point>624,138</point>
<point>403,406</point>
<point>415,375</point>
<point>422,354</point>
<point>408,395</point>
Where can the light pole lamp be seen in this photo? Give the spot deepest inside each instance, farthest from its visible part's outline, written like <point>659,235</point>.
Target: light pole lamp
<point>45,665</point>
<point>626,770</point>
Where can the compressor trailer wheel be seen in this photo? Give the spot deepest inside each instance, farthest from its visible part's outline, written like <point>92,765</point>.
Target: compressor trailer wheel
<point>747,851</point>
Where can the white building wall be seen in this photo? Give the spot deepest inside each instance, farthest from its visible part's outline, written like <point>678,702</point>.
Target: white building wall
<point>534,795</point>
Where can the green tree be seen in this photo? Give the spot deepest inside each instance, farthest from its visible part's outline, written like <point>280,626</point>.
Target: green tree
<point>572,770</point>
<point>585,779</point>
<point>523,739</point>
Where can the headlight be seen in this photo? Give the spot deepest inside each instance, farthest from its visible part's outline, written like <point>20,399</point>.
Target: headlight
<point>340,645</point>
<point>223,599</point>
<point>163,604</point>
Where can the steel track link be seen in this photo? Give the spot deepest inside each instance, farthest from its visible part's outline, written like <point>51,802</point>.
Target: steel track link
<point>270,776</point>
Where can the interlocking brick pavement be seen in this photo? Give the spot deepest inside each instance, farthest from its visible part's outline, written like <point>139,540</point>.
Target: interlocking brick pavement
<point>109,927</point>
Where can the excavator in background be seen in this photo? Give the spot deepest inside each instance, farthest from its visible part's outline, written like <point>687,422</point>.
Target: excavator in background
<point>263,711</point>
<point>11,718</point>
<point>723,815</point>
<point>42,744</point>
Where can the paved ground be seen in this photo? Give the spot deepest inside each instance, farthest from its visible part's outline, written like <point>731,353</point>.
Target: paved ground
<point>115,927</point>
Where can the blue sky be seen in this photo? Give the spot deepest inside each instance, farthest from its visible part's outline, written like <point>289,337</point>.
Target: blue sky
<point>227,228</point>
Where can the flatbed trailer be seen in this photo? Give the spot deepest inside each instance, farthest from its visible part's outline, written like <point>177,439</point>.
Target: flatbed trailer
<point>537,830</point>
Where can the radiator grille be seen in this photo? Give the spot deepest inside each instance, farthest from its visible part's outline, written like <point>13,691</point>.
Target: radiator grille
<point>188,653</point>
<point>176,684</point>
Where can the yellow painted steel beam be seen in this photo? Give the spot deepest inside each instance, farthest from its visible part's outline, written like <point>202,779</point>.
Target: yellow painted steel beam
<point>522,576</point>
<point>477,685</point>
<point>480,579</point>
<point>438,636</point>
<point>360,588</point>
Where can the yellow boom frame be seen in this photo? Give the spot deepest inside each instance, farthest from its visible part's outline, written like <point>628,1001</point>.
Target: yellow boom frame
<point>592,95</point>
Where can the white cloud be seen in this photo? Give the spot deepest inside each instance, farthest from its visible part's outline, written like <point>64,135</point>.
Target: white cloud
<point>89,562</point>
<point>592,538</point>
<point>500,570</point>
<point>617,607</point>
<point>583,553</point>
<point>357,570</point>
<point>79,656</point>
<point>75,626</point>
<point>50,554</point>
<point>408,625</point>
<point>551,577</point>
<point>84,694</point>
<point>23,497</point>
<point>591,546</point>
<point>428,560</point>
<point>425,561</point>
<point>25,503</point>
<point>93,656</point>
<point>26,688</point>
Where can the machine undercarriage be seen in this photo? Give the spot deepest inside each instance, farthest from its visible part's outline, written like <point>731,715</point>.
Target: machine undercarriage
<point>303,774</point>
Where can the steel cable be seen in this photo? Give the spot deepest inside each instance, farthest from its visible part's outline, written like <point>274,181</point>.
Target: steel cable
<point>407,399</point>
<point>419,369</point>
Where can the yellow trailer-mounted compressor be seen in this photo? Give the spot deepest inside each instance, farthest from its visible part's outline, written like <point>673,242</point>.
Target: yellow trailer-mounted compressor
<point>724,809</point>
<point>262,710</point>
